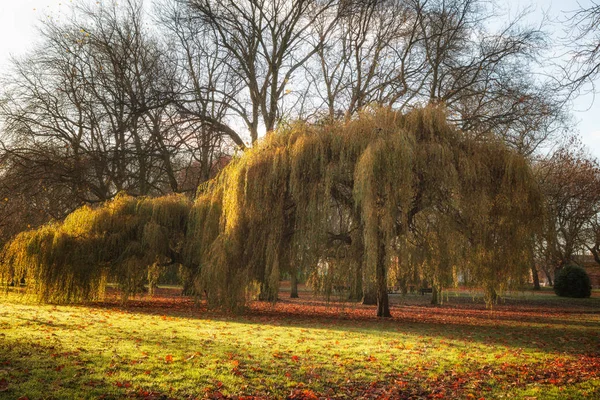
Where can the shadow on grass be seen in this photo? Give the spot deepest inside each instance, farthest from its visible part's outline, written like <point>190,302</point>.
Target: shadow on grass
<point>49,370</point>
<point>555,328</point>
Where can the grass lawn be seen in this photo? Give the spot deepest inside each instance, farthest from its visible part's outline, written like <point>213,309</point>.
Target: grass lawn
<point>531,346</point>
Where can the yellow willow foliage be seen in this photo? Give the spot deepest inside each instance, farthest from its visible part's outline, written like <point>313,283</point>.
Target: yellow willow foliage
<point>117,242</point>
<point>344,199</point>
<point>345,203</point>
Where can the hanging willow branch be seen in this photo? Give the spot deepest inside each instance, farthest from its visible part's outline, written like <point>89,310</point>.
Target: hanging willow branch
<point>73,260</point>
<point>347,203</point>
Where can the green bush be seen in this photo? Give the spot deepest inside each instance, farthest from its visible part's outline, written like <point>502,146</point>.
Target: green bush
<point>572,281</point>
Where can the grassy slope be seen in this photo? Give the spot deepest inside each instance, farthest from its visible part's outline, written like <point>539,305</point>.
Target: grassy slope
<point>528,347</point>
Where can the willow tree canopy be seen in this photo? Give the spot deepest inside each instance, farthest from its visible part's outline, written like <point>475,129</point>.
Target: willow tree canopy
<point>121,242</point>
<point>346,202</point>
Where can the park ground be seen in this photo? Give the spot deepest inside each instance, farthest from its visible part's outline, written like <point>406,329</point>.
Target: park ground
<point>529,346</point>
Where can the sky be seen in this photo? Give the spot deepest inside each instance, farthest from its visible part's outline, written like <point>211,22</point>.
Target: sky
<point>18,19</point>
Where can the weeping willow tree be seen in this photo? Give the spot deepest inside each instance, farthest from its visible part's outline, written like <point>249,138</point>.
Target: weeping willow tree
<point>126,241</point>
<point>504,206</point>
<point>344,202</point>
<point>349,201</point>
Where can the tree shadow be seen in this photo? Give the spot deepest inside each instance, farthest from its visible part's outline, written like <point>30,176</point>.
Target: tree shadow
<point>534,328</point>
<point>553,328</point>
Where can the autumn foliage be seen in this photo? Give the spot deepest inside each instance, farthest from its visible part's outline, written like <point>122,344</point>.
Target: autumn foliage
<point>351,204</point>
<point>124,242</point>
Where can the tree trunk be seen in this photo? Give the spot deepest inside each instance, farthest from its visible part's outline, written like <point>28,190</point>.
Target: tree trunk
<point>548,276</point>
<point>383,305</point>
<point>267,293</point>
<point>436,295</point>
<point>369,295</point>
<point>294,283</point>
<point>356,289</point>
<point>490,296</point>
<point>536,277</point>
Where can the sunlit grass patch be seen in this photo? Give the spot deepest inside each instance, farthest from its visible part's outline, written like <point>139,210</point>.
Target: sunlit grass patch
<point>294,349</point>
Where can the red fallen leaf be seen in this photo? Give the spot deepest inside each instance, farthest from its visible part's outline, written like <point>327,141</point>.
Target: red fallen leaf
<point>123,384</point>
<point>169,358</point>
<point>295,358</point>
<point>23,398</point>
<point>305,394</point>
<point>147,372</point>
<point>3,385</point>
<point>59,368</point>
<point>219,384</point>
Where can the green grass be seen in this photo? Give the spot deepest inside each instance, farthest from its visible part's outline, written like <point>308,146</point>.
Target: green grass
<point>168,347</point>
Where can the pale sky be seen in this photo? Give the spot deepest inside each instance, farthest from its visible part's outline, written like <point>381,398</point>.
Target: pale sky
<point>19,17</point>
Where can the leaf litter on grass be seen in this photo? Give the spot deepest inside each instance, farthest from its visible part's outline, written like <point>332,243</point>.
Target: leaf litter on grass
<point>169,347</point>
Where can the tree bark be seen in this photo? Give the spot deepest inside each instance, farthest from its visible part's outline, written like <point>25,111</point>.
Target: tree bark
<point>294,284</point>
<point>266,293</point>
<point>369,296</point>
<point>536,277</point>
<point>383,306</point>
<point>435,295</point>
<point>491,296</point>
<point>548,276</point>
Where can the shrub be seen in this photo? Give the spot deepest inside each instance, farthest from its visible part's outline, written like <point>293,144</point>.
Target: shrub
<point>572,281</point>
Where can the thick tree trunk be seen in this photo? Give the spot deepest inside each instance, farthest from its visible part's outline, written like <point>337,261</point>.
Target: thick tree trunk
<point>294,284</point>
<point>548,276</point>
<point>536,277</point>
<point>436,295</point>
<point>383,305</point>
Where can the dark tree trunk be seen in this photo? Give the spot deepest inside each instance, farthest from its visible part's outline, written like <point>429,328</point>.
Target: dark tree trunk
<point>188,287</point>
<point>548,276</point>
<point>267,293</point>
<point>491,296</point>
<point>294,283</point>
<point>383,305</point>
<point>536,277</point>
<point>595,250</point>
<point>435,295</point>
<point>369,296</point>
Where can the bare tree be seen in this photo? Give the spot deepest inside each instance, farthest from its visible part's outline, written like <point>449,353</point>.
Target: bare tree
<point>370,57</point>
<point>262,44</point>
<point>583,66</point>
<point>93,103</point>
<point>406,53</point>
